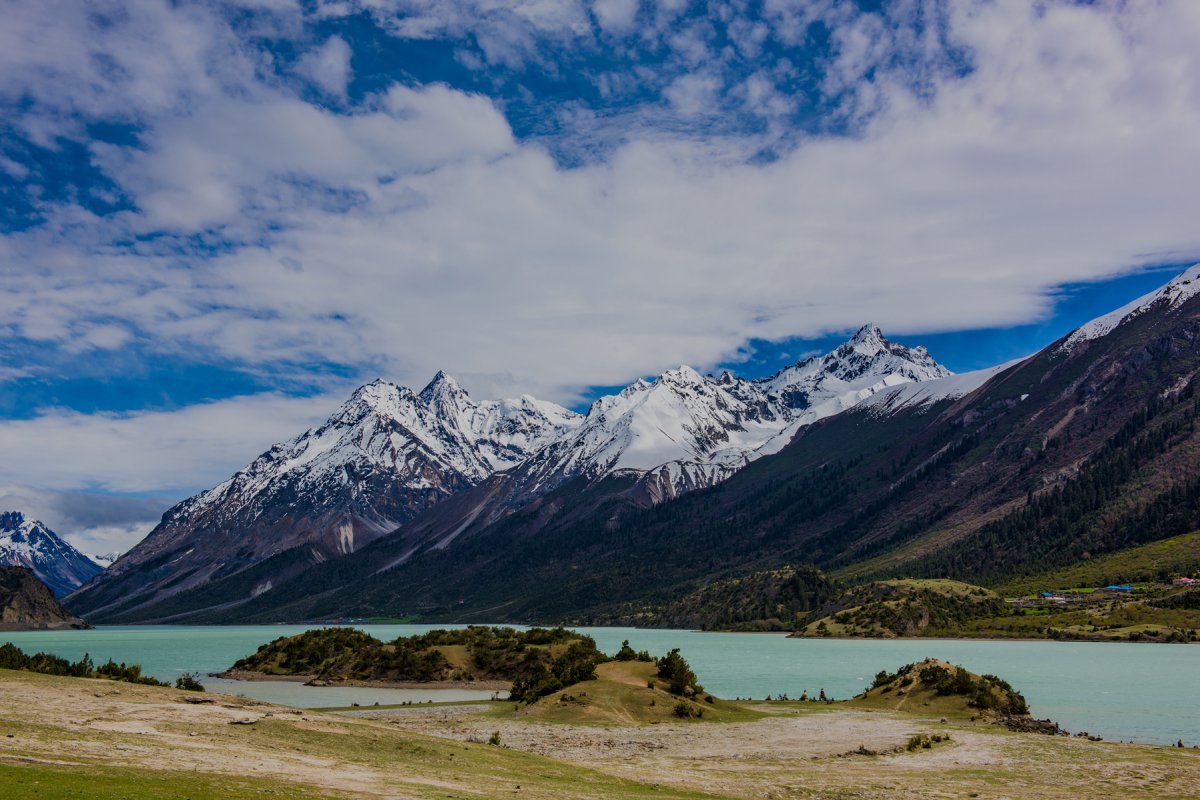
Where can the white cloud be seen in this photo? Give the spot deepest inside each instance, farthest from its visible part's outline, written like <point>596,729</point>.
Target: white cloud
<point>615,16</point>
<point>328,66</point>
<point>173,453</point>
<point>694,94</point>
<point>416,233</point>
<point>95,524</point>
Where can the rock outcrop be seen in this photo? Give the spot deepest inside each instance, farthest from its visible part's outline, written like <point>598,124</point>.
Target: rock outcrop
<point>27,604</point>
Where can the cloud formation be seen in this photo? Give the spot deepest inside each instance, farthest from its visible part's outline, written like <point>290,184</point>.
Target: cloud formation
<point>949,175</point>
<point>171,452</point>
<point>95,524</point>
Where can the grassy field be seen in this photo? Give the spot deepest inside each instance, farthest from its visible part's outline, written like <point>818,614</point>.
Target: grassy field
<point>1179,555</point>
<point>73,738</point>
<point>76,738</point>
<point>52,781</point>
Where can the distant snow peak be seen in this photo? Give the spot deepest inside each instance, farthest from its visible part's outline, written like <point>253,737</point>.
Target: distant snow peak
<point>868,337</point>
<point>1172,295</point>
<point>103,559</point>
<point>442,389</point>
<point>385,455</point>
<point>29,543</point>
<point>684,430</point>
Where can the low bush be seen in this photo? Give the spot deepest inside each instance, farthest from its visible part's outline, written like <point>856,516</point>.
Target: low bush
<point>12,657</point>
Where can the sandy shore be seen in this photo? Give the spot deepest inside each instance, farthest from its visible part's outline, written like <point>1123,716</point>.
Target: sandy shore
<point>249,675</point>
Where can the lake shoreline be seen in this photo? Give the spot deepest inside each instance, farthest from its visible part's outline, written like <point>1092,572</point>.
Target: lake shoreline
<point>1061,680</point>
<point>319,682</point>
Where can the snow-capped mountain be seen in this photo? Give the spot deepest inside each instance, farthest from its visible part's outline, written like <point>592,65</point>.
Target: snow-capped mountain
<point>29,543</point>
<point>852,372</point>
<point>387,455</point>
<point>684,430</point>
<point>384,439</point>
<point>104,560</point>
<point>504,432</point>
<point>926,393</point>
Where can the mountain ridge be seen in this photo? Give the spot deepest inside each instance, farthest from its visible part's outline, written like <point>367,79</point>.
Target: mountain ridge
<point>389,455</point>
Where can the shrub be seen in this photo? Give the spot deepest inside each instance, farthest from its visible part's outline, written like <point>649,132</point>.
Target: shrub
<point>674,669</point>
<point>11,657</point>
<point>685,710</point>
<point>190,682</point>
<point>626,653</point>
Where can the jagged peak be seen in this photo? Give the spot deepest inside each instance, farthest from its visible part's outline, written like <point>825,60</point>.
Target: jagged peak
<point>683,374</point>
<point>376,388</point>
<point>19,521</point>
<point>869,333</point>
<point>442,385</point>
<point>640,385</point>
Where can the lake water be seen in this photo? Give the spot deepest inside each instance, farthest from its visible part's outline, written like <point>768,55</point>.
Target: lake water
<point>1140,692</point>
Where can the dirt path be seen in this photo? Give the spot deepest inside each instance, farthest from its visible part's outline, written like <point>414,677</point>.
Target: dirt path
<point>838,753</point>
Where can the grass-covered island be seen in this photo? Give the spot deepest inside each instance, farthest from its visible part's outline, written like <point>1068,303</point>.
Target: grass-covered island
<point>532,662</point>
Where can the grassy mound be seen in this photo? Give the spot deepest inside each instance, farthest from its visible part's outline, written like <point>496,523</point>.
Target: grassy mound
<point>887,609</point>
<point>942,688</point>
<point>631,692</point>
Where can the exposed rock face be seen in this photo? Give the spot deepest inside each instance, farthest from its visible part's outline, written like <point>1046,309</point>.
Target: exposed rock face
<point>27,604</point>
<point>29,543</point>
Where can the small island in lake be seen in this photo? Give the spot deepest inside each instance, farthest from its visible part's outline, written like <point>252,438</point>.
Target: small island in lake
<point>539,659</point>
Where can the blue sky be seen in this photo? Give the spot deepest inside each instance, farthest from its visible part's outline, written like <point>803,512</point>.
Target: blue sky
<point>217,218</point>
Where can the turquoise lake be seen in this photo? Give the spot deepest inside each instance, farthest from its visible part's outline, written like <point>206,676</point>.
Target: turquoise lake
<point>1138,692</point>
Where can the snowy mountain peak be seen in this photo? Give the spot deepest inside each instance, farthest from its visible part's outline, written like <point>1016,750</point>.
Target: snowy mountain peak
<point>1172,295</point>
<point>442,388</point>
<point>685,430</point>
<point>681,376</point>
<point>104,559</point>
<point>29,543</point>
<point>379,396</point>
<point>868,338</point>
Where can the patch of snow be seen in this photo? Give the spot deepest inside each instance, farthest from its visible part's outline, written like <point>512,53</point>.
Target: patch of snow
<point>1172,295</point>
<point>929,392</point>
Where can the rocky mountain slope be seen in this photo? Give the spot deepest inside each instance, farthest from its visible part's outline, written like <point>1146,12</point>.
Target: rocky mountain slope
<point>441,465</point>
<point>27,604</point>
<point>29,543</point>
<point>1085,448</point>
